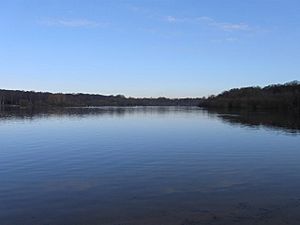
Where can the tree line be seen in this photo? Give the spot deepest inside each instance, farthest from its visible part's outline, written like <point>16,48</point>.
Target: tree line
<point>277,97</point>
<point>31,98</point>
<point>282,97</point>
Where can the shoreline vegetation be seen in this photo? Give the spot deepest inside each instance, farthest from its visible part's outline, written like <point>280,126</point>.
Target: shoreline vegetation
<point>46,99</point>
<point>280,97</point>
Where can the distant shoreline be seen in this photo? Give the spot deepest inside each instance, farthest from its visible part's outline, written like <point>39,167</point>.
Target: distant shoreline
<point>282,97</point>
<point>46,99</point>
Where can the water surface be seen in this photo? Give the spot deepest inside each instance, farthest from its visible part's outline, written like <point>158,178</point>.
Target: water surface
<point>148,165</point>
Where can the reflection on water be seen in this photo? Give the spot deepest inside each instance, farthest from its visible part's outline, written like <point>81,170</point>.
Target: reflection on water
<point>148,165</point>
<point>284,121</point>
<point>33,113</point>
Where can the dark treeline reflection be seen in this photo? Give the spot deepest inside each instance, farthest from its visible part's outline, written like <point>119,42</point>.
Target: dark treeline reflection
<point>286,122</point>
<point>7,113</point>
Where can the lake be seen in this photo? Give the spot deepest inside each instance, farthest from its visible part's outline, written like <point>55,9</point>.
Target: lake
<point>148,166</point>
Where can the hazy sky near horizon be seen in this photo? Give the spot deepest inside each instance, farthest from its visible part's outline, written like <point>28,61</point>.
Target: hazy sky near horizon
<point>148,48</point>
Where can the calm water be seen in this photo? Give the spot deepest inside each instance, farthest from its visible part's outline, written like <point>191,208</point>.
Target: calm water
<point>148,166</point>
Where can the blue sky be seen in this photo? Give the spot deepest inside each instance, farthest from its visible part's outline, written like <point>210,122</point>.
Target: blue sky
<point>148,48</point>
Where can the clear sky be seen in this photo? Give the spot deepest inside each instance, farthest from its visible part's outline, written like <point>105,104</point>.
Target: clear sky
<point>148,48</point>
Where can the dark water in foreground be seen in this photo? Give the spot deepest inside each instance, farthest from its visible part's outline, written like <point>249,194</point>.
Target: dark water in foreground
<point>148,166</point>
